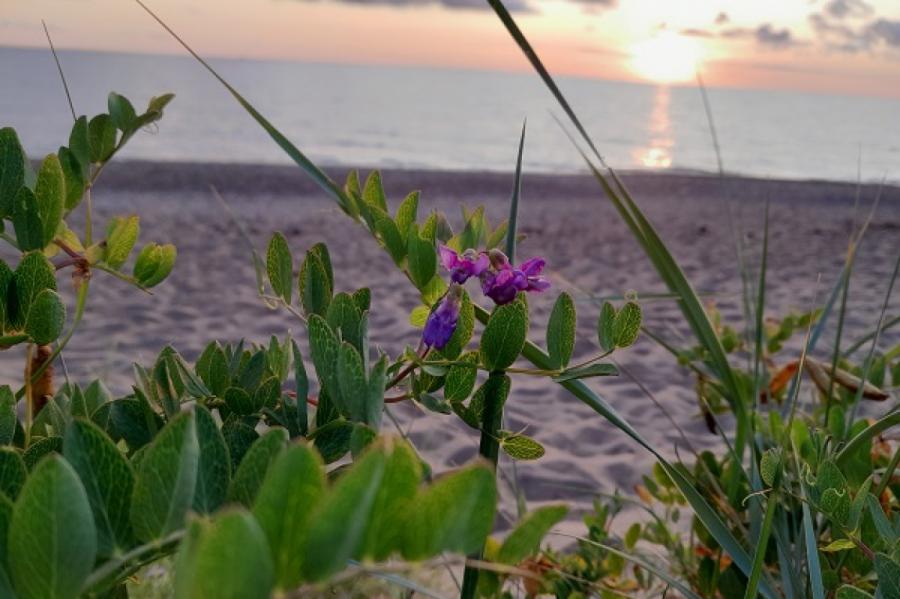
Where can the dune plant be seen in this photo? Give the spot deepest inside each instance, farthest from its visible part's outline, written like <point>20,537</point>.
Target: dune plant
<point>781,497</point>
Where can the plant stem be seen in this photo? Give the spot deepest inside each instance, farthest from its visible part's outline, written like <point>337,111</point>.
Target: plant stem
<point>753,582</point>
<point>29,402</point>
<point>489,449</point>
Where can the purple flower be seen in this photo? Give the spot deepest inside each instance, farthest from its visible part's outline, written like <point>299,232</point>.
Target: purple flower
<point>503,282</point>
<point>462,266</point>
<point>442,321</point>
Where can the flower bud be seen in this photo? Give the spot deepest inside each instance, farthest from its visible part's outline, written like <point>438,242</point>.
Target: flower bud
<point>441,323</point>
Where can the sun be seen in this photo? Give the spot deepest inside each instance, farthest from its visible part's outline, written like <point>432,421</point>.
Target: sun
<point>665,58</point>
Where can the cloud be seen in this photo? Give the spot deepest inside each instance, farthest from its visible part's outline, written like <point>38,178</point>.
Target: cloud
<point>722,18</point>
<point>840,9</point>
<point>886,31</point>
<point>512,5</point>
<point>767,35</point>
<point>693,32</point>
<point>764,35</point>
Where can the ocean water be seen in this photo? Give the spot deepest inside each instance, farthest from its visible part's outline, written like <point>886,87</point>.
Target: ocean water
<point>450,119</point>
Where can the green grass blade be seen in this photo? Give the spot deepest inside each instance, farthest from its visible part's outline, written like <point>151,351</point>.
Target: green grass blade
<point>512,223</point>
<point>813,566</point>
<point>758,349</point>
<point>874,429</point>
<point>760,553</point>
<point>867,364</point>
<point>854,347</point>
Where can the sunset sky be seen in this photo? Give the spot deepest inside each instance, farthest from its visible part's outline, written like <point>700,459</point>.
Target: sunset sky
<point>845,46</point>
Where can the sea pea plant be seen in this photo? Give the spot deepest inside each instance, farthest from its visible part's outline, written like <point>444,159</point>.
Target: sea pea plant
<point>441,374</point>
<point>34,213</point>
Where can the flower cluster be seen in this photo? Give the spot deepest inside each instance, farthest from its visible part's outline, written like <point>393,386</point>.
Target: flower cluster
<point>500,281</point>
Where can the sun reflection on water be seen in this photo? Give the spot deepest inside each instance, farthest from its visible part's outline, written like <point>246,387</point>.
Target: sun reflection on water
<point>658,154</point>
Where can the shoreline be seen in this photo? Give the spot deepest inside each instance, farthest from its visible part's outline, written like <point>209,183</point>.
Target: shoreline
<point>273,179</point>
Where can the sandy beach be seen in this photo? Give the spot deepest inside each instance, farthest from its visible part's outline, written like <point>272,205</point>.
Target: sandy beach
<point>211,294</point>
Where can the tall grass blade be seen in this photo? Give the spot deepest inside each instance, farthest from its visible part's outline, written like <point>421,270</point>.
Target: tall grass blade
<point>761,545</point>
<point>512,223</point>
<point>813,565</point>
<point>867,364</point>
<point>317,174</point>
<point>874,429</point>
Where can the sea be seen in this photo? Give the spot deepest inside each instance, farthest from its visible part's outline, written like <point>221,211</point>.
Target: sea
<point>450,119</point>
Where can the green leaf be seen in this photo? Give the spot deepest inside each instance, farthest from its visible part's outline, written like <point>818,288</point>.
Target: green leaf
<point>226,558</point>
<point>40,449</point>
<point>239,401</point>
<point>12,473</point>
<point>460,380</point>
<point>888,576</point>
<point>627,324</point>
<point>338,527</point>
<point>121,235</point>
<point>154,263</point>
<point>46,318</point>
<point>50,194</point>
<point>239,437</point>
<point>525,539</point>
<point>455,514</point>
<point>333,439</point>
<point>280,267</point>
<point>406,213</point>
<point>394,501</point>
<point>27,221</point>
<point>324,347</point>
<point>838,545</point>
<point>80,145</point>
<point>421,259</point>
<point>166,480</point>
<point>504,336</point>
<point>33,275</point>
<point>582,372</point>
<point>102,137</point>
<point>344,316</point>
<point>108,480</point>
<point>75,180</point>
<point>121,112</point>
<point>606,327</point>
<point>293,487</point>
<point>12,169</point>
<point>375,397</point>
<point>373,192</point>
<point>8,419</point>
<point>520,447</point>
<point>386,231</point>
<point>561,331</point>
<point>250,474</point>
<point>363,299</point>
<point>315,284</point>
<point>52,540</point>
<point>770,466</point>
<point>301,384</point>
<point>7,306</point>
<point>352,381</point>
<point>213,466</point>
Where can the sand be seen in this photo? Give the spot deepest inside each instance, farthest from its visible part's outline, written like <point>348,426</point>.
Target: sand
<point>211,294</point>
